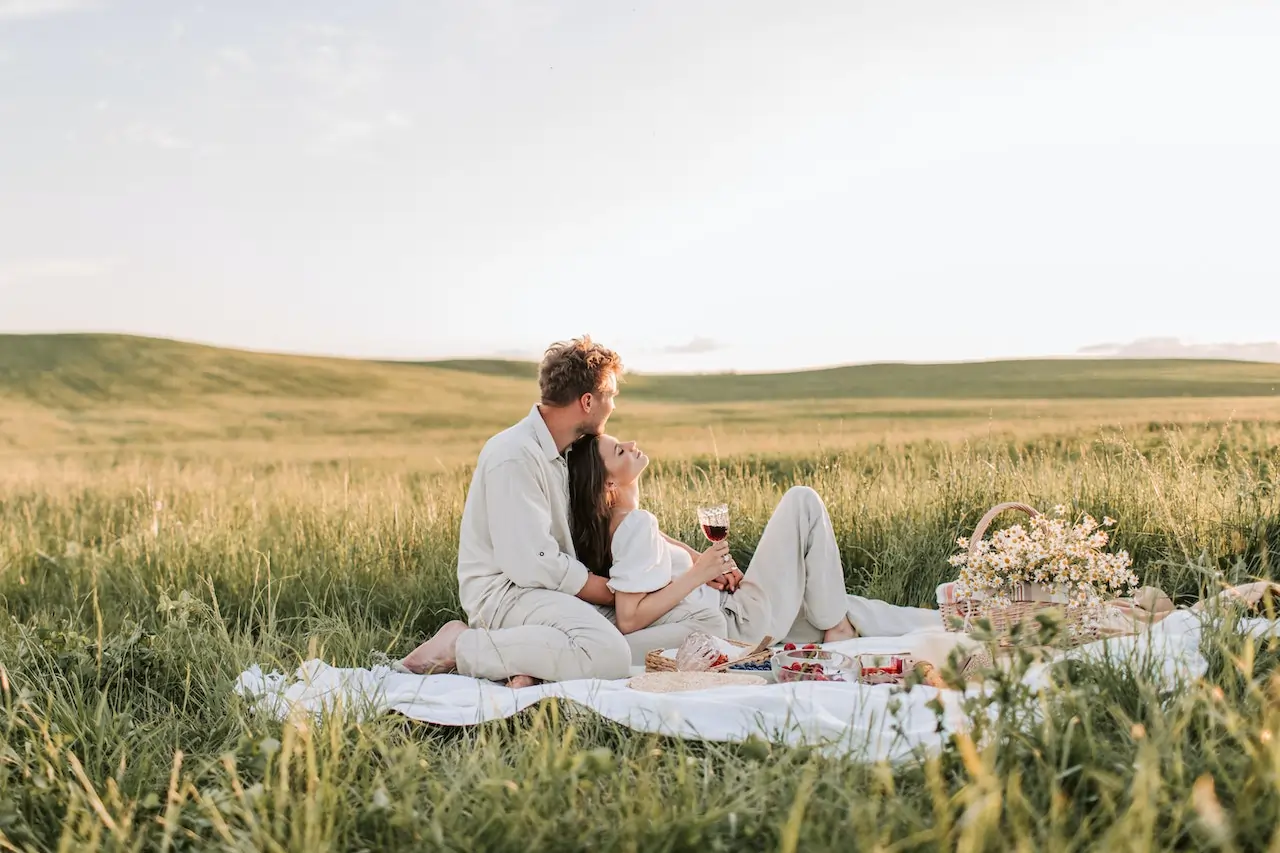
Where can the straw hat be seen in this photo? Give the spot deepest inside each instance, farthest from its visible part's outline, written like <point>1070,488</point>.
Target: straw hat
<point>674,682</point>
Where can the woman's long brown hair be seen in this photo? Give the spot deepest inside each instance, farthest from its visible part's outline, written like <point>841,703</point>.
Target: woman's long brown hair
<point>589,508</point>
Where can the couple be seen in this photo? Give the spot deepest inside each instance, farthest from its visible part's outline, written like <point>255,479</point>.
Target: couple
<point>563,576</point>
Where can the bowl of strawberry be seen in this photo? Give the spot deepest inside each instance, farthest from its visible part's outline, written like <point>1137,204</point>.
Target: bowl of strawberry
<point>811,663</point>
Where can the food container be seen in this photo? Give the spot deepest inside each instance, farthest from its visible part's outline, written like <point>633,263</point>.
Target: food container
<point>884,667</point>
<point>812,664</point>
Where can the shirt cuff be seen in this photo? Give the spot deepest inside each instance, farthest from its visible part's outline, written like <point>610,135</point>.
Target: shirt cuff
<point>575,578</point>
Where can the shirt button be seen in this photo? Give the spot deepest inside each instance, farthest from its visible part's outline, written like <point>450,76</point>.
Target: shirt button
<point>541,554</point>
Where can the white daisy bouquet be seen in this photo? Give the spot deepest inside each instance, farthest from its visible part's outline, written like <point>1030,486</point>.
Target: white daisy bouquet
<point>1066,560</point>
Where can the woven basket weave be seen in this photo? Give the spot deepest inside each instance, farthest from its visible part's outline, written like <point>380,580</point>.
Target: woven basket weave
<point>654,661</point>
<point>960,615</point>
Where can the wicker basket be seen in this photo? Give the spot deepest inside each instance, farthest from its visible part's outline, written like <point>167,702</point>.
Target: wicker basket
<point>959,615</point>
<point>654,661</point>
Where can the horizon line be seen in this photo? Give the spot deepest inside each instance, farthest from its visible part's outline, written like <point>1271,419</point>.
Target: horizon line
<point>427,361</point>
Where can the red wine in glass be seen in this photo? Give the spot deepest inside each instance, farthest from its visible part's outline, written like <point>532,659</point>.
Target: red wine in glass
<point>714,521</point>
<point>715,532</point>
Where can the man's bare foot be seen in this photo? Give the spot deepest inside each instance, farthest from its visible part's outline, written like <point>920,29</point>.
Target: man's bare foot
<point>518,681</point>
<point>843,630</point>
<point>439,654</point>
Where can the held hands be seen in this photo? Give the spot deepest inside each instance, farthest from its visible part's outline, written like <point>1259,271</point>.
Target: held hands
<point>730,580</point>
<point>713,564</point>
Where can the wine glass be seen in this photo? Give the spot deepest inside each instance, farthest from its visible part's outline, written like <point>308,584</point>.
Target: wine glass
<point>714,521</point>
<point>715,526</point>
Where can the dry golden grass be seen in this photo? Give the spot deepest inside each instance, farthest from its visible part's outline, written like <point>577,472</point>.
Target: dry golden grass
<point>448,431</point>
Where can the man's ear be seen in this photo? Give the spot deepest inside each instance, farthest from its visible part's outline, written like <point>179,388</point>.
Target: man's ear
<point>585,401</point>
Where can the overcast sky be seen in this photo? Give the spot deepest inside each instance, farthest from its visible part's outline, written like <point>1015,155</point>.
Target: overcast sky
<point>703,185</point>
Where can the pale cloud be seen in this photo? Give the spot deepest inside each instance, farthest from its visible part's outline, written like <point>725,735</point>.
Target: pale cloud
<point>395,118</point>
<point>339,132</point>
<point>342,73</point>
<point>694,346</point>
<point>46,269</point>
<point>229,61</point>
<point>335,62</point>
<point>156,136</point>
<point>328,31</point>
<point>1175,348</point>
<point>12,10</point>
<point>236,57</point>
<point>519,354</point>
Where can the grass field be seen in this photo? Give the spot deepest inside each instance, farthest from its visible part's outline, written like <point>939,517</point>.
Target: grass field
<point>105,398</point>
<point>169,515</point>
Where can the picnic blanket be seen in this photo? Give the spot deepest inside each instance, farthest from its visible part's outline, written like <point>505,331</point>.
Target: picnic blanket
<point>868,722</point>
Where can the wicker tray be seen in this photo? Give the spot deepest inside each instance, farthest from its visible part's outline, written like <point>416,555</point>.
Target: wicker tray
<point>654,661</point>
<point>1077,629</point>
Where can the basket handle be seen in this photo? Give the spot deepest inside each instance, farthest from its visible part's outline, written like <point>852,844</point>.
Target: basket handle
<point>985,521</point>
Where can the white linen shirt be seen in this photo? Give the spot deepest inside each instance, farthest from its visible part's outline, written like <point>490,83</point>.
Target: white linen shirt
<point>515,522</point>
<point>644,561</point>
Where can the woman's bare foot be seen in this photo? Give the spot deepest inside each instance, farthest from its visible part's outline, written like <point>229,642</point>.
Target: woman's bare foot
<point>518,681</point>
<point>843,630</point>
<point>439,654</point>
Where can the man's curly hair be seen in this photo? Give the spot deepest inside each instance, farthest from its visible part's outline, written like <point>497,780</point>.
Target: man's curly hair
<point>576,367</point>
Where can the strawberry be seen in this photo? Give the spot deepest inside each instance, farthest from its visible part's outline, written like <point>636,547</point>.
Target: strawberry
<point>789,647</point>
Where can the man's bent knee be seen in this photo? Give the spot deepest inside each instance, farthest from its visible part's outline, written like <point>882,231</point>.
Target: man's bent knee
<point>604,656</point>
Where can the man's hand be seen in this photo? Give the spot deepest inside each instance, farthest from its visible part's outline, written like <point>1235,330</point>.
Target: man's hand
<point>596,591</point>
<point>730,580</point>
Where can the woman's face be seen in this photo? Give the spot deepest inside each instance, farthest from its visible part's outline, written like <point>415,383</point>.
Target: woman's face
<point>622,459</point>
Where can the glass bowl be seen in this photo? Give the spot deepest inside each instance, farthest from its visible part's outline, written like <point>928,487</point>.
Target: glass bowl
<point>813,665</point>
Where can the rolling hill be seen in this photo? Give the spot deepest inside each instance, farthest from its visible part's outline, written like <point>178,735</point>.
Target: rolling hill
<point>78,370</point>
<point>117,394</point>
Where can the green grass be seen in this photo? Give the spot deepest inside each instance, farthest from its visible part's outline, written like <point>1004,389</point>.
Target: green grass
<point>135,590</point>
<point>170,514</point>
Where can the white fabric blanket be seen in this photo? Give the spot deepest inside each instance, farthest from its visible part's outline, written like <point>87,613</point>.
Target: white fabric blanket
<point>867,722</point>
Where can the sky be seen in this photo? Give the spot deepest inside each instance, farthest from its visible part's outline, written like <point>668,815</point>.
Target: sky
<point>727,185</point>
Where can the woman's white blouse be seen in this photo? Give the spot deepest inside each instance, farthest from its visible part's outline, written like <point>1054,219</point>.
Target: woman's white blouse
<point>643,561</point>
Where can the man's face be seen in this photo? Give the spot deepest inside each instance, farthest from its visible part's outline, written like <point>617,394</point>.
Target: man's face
<point>601,406</point>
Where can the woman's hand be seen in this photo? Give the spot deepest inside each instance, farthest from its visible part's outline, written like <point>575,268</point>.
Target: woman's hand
<point>730,581</point>
<point>713,562</point>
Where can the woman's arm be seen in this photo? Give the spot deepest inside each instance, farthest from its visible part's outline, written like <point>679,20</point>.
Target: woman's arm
<point>636,610</point>
<point>596,591</point>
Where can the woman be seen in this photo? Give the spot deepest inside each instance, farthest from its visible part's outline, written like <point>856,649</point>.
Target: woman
<point>793,589</point>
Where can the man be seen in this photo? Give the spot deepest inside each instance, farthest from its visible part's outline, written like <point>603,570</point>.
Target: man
<point>534,608</point>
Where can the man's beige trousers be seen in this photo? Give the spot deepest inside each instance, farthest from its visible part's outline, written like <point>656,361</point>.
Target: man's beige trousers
<point>546,634</point>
